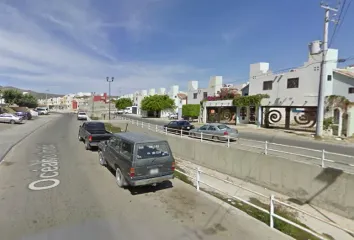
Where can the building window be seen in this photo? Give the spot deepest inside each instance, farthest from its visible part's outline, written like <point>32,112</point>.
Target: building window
<point>205,94</point>
<point>267,85</point>
<point>329,77</point>
<point>351,90</point>
<point>195,95</point>
<point>293,83</point>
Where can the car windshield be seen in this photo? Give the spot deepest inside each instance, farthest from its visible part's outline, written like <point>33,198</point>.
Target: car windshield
<point>223,127</point>
<point>152,150</point>
<point>81,113</point>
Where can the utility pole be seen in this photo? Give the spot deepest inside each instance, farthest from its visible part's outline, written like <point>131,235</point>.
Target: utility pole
<point>109,96</point>
<point>323,72</point>
<point>46,98</point>
<point>93,104</point>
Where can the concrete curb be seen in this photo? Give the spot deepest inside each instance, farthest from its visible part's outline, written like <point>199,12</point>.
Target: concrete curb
<point>4,154</point>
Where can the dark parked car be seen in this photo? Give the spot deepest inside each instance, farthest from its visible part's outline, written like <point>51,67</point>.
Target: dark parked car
<point>138,159</point>
<point>91,133</point>
<point>177,126</point>
<point>24,115</point>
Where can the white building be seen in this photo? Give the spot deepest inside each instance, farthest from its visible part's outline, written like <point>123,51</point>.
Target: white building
<point>295,92</point>
<point>196,94</point>
<point>300,86</point>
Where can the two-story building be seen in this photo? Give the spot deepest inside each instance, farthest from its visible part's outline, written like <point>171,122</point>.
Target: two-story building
<point>293,94</point>
<point>195,94</point>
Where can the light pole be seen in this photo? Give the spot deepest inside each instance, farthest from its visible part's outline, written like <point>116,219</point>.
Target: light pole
<point>93,104</point>
<point>109,96</point>
<point>46,98</point>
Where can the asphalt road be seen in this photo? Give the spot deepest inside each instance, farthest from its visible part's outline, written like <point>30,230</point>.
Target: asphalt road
<point>290,141</point>
<point>51,188</point>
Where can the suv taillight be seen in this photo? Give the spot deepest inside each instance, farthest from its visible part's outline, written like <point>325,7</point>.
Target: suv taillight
<point>90,138</point>
<point>132,172</point>
<point>226,133</point>
<point>173,166</point>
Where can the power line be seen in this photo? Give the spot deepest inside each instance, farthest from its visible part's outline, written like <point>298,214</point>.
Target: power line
<point>340,20</point>
<point>345,13</point>
<point>336,26</point>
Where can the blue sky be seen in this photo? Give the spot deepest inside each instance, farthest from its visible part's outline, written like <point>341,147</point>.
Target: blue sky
<point>68,46</point>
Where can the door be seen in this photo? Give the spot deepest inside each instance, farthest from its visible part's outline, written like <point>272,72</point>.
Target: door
<point>124,157</point>
<point>172,126</point>
<point>152,160</point>
<point>5,118</point>
<point>81,129</point>
<point>211,132</point>
<point>202,129</point>
<point>112,151</point>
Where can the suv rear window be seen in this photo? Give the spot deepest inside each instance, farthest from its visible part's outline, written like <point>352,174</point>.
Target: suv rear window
<point>152,150</point>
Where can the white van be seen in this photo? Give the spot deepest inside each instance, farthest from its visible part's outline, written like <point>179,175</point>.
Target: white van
<point>128,110</point>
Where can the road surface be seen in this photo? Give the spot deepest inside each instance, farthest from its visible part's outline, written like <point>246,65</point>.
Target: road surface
<point>51,188</point>
<point>291,141</point>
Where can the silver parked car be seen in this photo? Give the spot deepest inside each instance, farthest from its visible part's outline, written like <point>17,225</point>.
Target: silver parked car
<point>216,131</point>
<point>10,118</point>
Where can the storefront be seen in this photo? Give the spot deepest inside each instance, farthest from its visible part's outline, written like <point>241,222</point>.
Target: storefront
<point>223,111</point>
<point>220,112</point>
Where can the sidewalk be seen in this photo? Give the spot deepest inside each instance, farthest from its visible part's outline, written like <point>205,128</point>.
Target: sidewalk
<point>314,224</point>
<point>15,133</point>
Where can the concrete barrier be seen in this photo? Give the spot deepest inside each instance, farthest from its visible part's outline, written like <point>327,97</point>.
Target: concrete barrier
<point>327,188</point>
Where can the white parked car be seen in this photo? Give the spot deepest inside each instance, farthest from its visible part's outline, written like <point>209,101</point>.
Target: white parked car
<point>120,111</point>
<point>42,110</point>
<point>10,118</point>
<point>128,110</point>
<point>34,113</point>
<point>81,116</point>
<point>173,116</point>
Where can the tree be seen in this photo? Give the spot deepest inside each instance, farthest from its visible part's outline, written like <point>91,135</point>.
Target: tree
<point>191,110</point>
<point>157,103</point>
<point>27,100</point>
<point>123,103</point>
<point>11,96</point>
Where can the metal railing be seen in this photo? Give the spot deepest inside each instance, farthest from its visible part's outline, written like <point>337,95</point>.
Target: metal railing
<point>308,155</point>
<point>272,200</point>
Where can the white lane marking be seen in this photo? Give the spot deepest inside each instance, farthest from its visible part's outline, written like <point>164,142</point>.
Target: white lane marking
<point>49,169</point>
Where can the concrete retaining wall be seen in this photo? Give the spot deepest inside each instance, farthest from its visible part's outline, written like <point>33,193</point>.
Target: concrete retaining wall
<point>330,189</point>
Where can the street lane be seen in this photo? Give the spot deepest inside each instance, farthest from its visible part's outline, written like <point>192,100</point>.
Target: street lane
<point>293,141</point>
<point>82,200</point>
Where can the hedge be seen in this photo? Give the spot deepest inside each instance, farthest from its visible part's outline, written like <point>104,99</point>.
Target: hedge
<point>191,110</point>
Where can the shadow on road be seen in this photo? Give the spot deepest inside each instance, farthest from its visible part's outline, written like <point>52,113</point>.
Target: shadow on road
<point>145,189</point>
<point>150,189</point>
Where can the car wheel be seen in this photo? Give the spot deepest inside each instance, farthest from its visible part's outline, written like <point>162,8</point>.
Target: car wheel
<point>119,178</point>
<point>87,146</point>
<point>101,159</point>
<point>12,121</point>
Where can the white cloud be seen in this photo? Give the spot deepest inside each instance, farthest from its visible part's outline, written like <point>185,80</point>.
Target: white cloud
<point>65,43</point>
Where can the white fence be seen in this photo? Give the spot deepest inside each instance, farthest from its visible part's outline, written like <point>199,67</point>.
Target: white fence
<point>322,157</point>
<point>198,180</point>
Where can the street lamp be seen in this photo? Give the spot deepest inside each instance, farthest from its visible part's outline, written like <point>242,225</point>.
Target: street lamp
<point>109,96</point>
